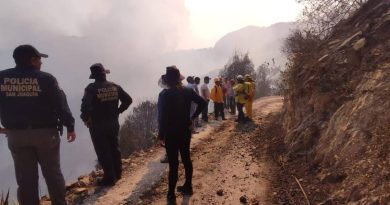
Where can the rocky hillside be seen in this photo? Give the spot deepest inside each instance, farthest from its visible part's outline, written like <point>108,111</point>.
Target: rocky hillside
<point>336,112</point>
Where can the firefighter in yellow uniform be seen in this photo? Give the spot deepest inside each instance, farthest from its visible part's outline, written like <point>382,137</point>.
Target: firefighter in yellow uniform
<point>241,94</point>
<point>216,95</point>
<point>251,95</point>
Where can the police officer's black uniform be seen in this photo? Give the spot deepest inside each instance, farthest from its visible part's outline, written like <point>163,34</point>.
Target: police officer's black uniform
<point>99,111</point>
<point>32,106</point>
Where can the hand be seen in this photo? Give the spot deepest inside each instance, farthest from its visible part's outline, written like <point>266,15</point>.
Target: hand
<point>162,143</point>
<point>71,136</point>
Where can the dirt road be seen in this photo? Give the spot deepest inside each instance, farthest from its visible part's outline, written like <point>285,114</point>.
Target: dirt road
<point>225,168</point>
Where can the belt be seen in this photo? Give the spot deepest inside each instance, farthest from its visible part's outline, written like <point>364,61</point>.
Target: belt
<point>26,127</point>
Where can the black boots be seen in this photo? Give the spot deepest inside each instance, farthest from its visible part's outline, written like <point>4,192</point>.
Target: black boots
<point>185,190</point>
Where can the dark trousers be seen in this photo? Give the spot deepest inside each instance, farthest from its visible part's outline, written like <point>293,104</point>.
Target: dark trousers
<point>205,112</point>
<point>28,148</point>
<point>232,105</point>
<point>219,110</point>
<point>174,145</point>
<point>104,137</point>
<point>241,115</point>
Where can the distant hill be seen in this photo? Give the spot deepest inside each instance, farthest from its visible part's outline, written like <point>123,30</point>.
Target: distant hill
<point>262,43</point>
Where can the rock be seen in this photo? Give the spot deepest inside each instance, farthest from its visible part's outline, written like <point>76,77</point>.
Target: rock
<point>244,199</point>
<point>220,192</point>
<point>72,185</point>
<point>359,44</point>
<point>376,52</point>
<point>80,190</point>
<point>85,181</point>
<point>82,176</point>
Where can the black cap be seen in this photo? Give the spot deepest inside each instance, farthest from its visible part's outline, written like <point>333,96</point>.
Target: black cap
<point>97,69</point>
<point>25,52</point>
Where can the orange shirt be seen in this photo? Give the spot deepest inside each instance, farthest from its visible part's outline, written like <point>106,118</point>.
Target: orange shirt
<point>216,94</point>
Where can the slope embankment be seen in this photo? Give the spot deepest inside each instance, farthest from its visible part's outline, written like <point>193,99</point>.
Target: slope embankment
<point>336,112</point>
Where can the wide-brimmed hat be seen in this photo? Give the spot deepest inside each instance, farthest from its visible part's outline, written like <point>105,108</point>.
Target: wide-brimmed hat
<point>25,52</point>
<point>97,70</point>
<point>173,75</point>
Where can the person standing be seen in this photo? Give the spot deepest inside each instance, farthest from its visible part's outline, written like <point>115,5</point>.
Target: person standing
<point>251,96</point>
<point>32,108</point>
<point>100,112</point>
<point>217,95</point>
<point>225,87</point>
<point>191,83</point>
<point>196,85</point>
<point>175,129</point>
<point>241,93</point>
<point>232,100</point>
<point>205,94</point>
<point>163,84</point>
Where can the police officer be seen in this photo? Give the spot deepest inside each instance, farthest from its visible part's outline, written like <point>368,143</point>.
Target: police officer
<point>31,107</point>
<point>100,111</point>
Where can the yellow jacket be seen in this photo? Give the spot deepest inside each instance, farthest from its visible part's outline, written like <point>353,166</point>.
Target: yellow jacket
<point>216,94</point>
<point>251,90</point>
<point>241,92</point>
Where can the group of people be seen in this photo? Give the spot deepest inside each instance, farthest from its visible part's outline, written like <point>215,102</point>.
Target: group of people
<point>180,105</point>
<point>228,94</point>
<point>33,111</point>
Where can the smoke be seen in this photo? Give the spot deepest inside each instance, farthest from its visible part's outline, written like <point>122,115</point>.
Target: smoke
<point>128,36</point>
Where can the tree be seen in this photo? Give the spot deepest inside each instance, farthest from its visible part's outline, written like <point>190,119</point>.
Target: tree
<point>263,81</point>
<point>320,16</point>
<point>238,64</point>
<point>138,130</point>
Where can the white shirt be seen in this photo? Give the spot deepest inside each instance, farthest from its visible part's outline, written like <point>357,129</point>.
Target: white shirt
<point>205,91</point>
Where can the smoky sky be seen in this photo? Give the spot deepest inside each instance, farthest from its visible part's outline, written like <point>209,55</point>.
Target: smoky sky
<point>128,37</point>
<point>135,39</point>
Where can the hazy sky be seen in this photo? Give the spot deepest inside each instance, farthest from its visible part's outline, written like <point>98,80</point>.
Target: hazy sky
<point>211,19</point>
<point>130,37</point>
